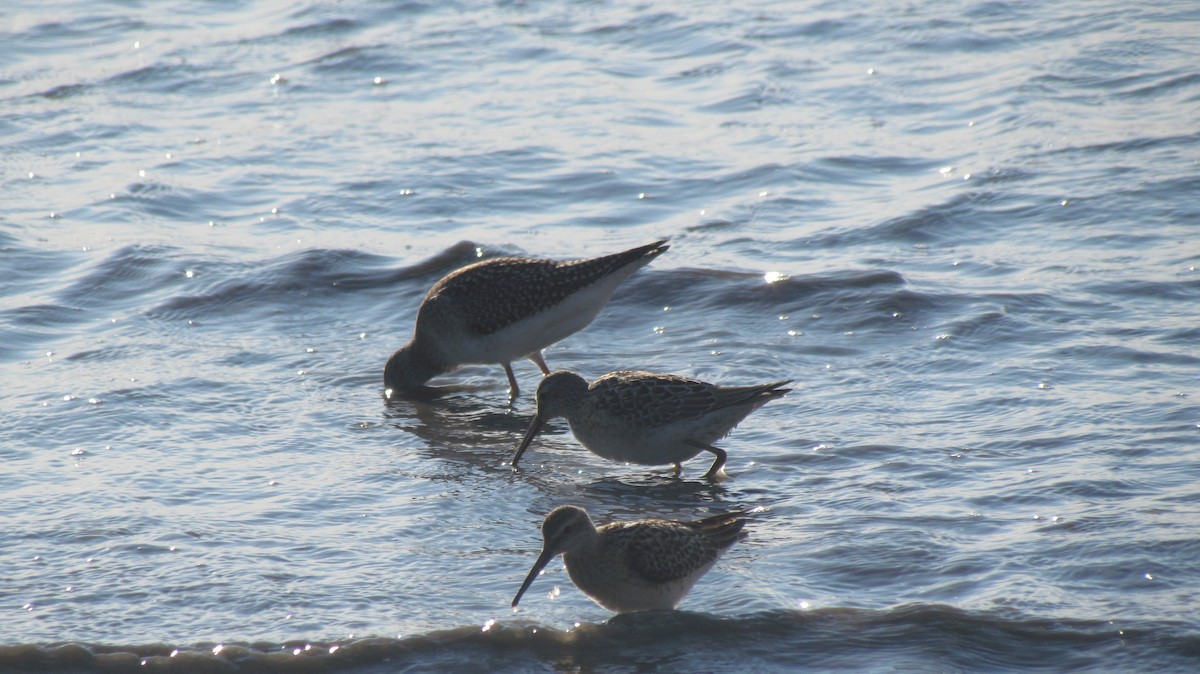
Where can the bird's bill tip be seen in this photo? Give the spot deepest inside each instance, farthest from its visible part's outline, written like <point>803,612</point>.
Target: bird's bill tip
<point>542,560</point>
<point>525,586</point>
<point>535,427</point>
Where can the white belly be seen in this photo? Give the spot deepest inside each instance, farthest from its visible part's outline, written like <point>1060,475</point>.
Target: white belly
<point>631,444</point>
<point>539,331</point>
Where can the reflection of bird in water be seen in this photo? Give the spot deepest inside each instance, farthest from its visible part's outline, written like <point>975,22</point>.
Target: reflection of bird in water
<point>460,432</point>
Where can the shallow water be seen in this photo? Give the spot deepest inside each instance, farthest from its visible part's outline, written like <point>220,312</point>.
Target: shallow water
<point>968,231</point>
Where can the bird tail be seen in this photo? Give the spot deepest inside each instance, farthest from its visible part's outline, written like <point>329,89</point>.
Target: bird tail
<point>723,529</point>
<point>753,395</point>
<point>648,251</point>
<point>774,389</point>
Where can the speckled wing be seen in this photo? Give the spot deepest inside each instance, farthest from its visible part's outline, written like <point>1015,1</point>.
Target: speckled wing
<point>651,399</point>
<point>493,294</point>
<point>661,550</point>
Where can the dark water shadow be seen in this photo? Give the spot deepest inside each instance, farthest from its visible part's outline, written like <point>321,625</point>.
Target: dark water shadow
<point>918,637</point>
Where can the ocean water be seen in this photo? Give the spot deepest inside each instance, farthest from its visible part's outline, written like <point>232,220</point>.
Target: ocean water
<point>969,231</point>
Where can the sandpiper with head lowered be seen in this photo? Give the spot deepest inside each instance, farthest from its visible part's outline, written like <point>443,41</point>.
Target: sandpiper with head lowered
<point>633,566</point>
<point>646,418</point>
<point>505,309</point>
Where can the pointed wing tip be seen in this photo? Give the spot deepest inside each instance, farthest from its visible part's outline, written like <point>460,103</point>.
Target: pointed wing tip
<point>775,389</point>
<point>658,247</point>
<point>727,524</point>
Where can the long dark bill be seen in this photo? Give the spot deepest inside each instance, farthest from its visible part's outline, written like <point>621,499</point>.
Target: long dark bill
<point>542,560</point>
<point>535,427</point>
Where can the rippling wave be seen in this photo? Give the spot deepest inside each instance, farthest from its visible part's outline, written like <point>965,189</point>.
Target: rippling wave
<point>904,638</point>
<point>966,234</point>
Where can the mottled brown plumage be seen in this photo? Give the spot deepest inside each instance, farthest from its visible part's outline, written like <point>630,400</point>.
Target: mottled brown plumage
<point>494,294</point>
<point>633,566</point>
<point>665,550</point>
<point>646,417</point>
<point>505,309</point>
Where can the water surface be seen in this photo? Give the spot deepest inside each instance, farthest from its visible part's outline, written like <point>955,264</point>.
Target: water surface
<point>968,232</point>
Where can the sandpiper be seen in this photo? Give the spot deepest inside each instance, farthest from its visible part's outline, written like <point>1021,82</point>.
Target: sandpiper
<point>633,566</point>
<point>646,418</point>
<point>505,309</point>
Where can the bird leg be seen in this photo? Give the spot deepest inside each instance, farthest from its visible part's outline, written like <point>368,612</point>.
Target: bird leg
<point>513,389</point>
<point>536,357</point>
<point>718,465</point>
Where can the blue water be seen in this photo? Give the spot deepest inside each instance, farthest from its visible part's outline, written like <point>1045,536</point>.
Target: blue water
<point>970,232</point>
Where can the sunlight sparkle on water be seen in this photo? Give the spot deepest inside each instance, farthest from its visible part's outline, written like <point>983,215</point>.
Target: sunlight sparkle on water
<point>774,277</point>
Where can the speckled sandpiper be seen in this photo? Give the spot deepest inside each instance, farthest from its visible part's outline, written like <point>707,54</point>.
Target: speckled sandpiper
<point>633,566</point>
<point>505,309</point>
<point>646,418</point>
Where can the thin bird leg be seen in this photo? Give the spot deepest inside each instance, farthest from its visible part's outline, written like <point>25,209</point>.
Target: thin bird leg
<point>718,465</point>
<point>536,357</point>
<point>513,389</point>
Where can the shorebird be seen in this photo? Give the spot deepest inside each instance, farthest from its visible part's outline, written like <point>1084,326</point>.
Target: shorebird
<point>505,309</point>
<point>633,566</point>
<point>646,418</point>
